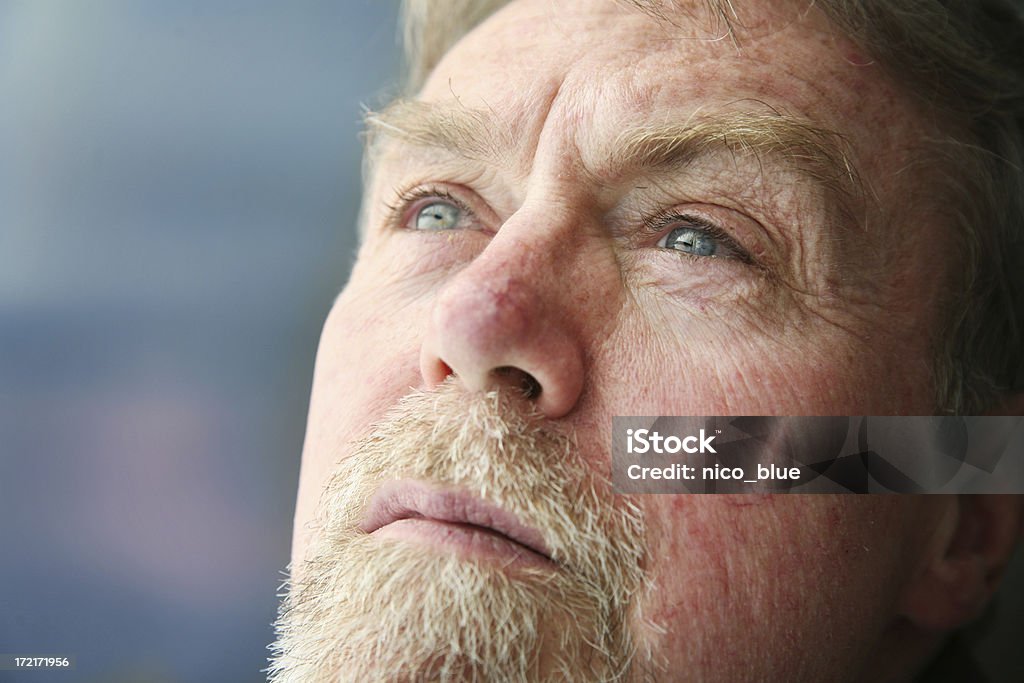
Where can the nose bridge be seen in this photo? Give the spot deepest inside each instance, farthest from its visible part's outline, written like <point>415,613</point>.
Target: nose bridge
<point>511,309</point>
<point>526,271</point>
<point>512,277</point>
<point>539,249</point>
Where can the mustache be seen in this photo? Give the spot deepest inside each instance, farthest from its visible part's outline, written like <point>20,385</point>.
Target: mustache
<point>497,447</point>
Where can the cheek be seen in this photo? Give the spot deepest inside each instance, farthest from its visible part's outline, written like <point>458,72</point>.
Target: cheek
<point>659,360</point>
<point>798,572</point>
<point>368,358</point>
<point>368,355</point>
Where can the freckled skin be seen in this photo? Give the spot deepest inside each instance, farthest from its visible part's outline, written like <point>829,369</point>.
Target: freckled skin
<point>800,587</point>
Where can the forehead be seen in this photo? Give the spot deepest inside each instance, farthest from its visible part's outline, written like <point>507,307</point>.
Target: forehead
<point>589,68</point>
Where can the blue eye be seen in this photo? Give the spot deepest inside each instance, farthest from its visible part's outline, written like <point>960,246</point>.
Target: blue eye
<point>696,241</point>
<point>696,236</point>
<point>438,216</point>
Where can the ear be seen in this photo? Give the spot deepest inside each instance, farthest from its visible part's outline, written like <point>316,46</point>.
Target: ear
<point>963,567</point>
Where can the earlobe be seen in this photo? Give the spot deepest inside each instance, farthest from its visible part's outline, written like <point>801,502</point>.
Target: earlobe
<point>964,567</point>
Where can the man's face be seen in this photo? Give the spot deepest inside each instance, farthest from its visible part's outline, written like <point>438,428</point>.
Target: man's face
<point>645,221</point>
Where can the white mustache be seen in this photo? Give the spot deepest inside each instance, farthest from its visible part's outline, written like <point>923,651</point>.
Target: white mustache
<point>494,448</point>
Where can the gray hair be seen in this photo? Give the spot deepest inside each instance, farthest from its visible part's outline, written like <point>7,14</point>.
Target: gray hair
<point>963,59</point>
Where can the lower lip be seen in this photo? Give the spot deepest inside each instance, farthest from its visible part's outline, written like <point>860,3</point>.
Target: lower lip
<point>465,540</point>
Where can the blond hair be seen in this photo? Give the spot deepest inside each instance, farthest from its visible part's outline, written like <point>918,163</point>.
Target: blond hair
<point>963,60</point>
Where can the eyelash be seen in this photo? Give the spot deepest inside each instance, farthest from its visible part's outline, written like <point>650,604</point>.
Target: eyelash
<point>657,224</point>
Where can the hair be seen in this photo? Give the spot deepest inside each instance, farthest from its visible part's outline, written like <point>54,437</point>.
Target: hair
<point>962,60</point>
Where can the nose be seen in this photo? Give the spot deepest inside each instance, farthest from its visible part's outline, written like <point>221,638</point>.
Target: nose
<point>501,322</point>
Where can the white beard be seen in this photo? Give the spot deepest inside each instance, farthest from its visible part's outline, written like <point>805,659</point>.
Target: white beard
<point>361,608</point>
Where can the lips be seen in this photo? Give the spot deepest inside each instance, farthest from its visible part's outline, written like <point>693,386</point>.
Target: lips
<point>453,517</point>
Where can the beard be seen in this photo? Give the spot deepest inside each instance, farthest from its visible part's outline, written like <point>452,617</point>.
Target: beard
<point>361,608</point>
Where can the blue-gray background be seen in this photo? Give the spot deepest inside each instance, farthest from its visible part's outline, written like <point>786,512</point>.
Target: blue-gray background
<point>179,181</point>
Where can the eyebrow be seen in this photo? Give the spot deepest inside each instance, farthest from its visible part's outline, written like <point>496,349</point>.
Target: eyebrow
<point>463,131</point>
<point>818,153</point>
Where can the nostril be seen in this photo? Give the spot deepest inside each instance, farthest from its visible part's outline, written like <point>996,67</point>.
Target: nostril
<point>520,379</point>
<point>447,370</point>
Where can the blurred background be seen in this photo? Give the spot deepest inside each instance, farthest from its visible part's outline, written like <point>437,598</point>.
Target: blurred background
<point>179,182</point>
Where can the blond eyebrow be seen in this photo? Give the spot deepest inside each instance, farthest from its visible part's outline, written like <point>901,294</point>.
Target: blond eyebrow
<point>818,153</point>
<point>464,131</point>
